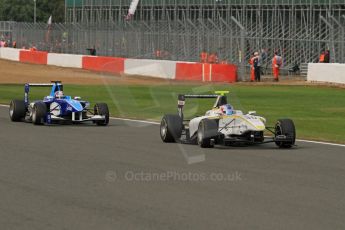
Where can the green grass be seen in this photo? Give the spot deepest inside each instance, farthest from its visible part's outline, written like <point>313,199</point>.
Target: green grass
<point>318,112</point>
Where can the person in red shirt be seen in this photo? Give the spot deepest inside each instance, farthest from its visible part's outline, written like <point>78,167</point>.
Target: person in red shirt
<point>276,64</point>
<point>327,57</point>
<point>252,72</point>
<point>322,57</point>
<point>203,56</point>
<point>213,58</point>
<point>256,67</point>
<point>158,54</point>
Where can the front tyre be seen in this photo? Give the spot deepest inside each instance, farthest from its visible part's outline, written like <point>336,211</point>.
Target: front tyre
<point>39,112</point>
<point>285,127</point>
<point>102,110</point>
<point>17,110</point>
<point>171,128</point>
<point>207,130</point>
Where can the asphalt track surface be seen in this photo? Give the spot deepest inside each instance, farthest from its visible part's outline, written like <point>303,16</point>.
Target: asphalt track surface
<point>88,177</point>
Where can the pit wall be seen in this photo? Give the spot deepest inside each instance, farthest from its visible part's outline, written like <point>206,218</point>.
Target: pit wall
<point>171,70</point>
<point>326,72</point>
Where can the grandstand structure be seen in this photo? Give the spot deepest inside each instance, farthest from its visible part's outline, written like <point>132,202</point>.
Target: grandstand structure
<point>298,29</point>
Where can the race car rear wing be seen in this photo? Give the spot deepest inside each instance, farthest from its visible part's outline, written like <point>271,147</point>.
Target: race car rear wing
<point>220,96</point>
<point>55,85</point>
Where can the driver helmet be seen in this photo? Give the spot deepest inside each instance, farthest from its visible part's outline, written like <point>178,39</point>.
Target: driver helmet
<point>227,109</point>
<point>59,94</point>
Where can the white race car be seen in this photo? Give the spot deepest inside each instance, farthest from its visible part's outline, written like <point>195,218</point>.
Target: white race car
<point>224,125</point>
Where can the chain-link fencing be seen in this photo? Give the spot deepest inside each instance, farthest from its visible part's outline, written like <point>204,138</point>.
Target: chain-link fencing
<point>234,39</point>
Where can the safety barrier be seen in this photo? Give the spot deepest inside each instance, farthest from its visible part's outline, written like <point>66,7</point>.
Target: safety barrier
<point>65,60</point>
<point>223,73</point>
<point>189,71</point>
<point>206,72</point>
<point>326,72</point>
<point>9,54</point>
<point>33,57</point>
<point>186,71</point>
<point>104,64</point>
<point>151,68</point>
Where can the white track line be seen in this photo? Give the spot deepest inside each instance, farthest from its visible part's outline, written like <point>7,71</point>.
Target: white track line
<point>133,120</point>
<point>157,123</point>
<point>320,142</point>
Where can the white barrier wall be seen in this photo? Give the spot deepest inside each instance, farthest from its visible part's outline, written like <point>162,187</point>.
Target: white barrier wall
<point>326,72</point>
<point>65,60</point>
<point>142,67</point>
<point>151,68</point>
<point>9,53</point>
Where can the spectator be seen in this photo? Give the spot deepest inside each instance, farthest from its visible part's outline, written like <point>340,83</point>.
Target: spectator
<point>213,58</point>
<point>327,57</point>
<point>262,60</point>
<point>158,54</point>
<point>252,73</point>
<point>203,56</point>
<point>33,48</point>
<point>263,55</point>
<point>256,65</point>
<point>322,57</point>
<point>92,51</point>
<point>276,64</point>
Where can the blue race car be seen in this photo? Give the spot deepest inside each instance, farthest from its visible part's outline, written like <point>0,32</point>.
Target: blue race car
<point>57,108</point>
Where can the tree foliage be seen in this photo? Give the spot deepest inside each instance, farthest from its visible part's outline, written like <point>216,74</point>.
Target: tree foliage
<point>23,10</point>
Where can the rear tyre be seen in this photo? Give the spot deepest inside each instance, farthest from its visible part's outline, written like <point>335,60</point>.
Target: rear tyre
<point>39,112</point>
<point>17,110</point>
<point>285,127</point>
<point>171,128</point>
<point>207,130</point>
<point>102,110</point>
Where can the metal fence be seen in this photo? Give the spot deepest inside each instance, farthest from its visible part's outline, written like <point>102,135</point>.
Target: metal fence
<point>299,33</point>
<point>184,40</point>
<point>6,29</point>
<point>298,29</point>
<point>180,40</point>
